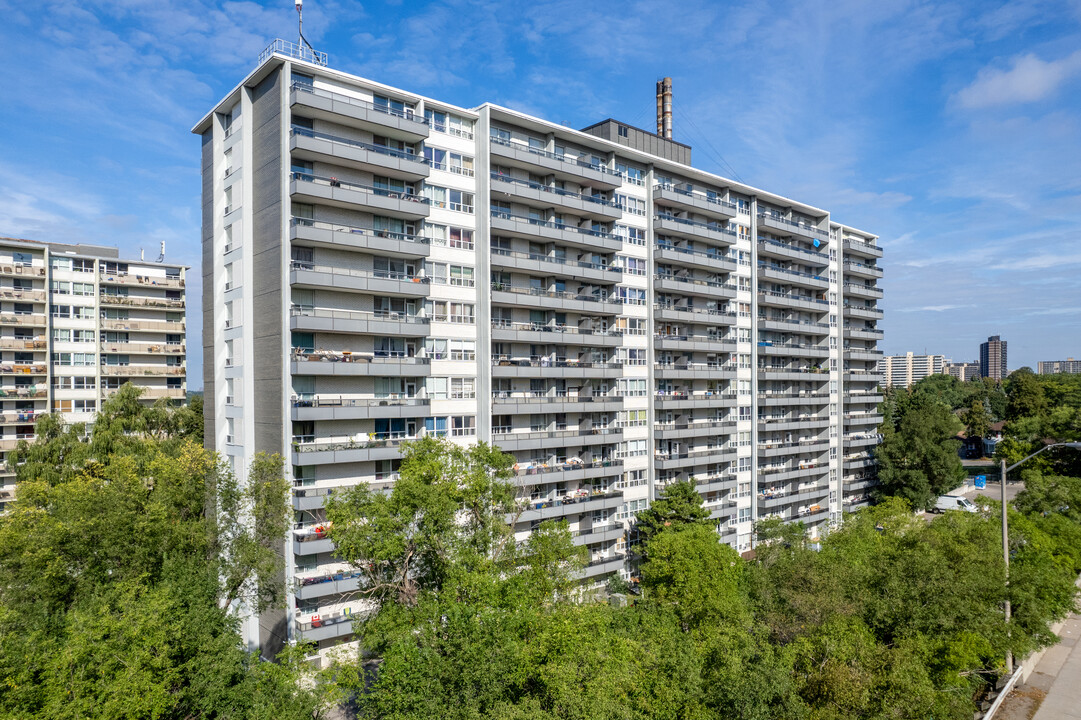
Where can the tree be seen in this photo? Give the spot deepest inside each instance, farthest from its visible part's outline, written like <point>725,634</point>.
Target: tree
<point>118,565</point>
<point>1025,395</point>
<point>917,459</point>
<point>977,420</point>
<point>679,506</point>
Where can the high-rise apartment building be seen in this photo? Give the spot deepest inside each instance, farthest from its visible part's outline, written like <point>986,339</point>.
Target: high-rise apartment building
<point>1052,367</point>
<point>963,371</point>
<point>905,370</point>
<point>76,323</point>
<point>993,358</point>
<point>379,266</point>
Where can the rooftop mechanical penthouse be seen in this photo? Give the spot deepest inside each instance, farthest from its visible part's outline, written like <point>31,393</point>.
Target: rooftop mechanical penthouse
<point>378,265</point>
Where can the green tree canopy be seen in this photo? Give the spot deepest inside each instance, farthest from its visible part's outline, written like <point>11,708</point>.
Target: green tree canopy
<point>678,506</point>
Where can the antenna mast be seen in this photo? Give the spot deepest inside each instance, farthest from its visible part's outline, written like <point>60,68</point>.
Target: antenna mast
<point>300,28</point>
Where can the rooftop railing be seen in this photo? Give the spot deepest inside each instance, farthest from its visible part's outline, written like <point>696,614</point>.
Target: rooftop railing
<point>294,51</point>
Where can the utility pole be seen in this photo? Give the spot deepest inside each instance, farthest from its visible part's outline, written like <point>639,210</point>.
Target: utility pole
<point>1006,561</point>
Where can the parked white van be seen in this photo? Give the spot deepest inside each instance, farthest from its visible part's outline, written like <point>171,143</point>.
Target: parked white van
<point>954,502</point>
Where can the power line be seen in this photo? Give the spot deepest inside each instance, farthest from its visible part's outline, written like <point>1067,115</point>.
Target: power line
<point>710,149</point>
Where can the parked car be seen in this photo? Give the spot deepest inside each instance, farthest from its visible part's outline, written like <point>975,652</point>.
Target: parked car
<point>954,502</point>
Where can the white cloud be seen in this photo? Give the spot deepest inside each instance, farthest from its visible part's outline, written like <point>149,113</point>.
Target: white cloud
<point>933,308</point>
<point>1029,80</point>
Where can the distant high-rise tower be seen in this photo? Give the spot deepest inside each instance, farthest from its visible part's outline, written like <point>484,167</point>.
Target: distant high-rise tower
<point>993,358</point>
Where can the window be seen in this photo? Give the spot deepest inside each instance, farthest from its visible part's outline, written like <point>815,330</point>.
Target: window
<point>82,289</point>
<point>461,238</point>
<point>463,350</point>
<point>744,515</point>
<point>61,405</point>
<point>632,478</point>
<point>21,258</point>
<point>61,335</point>
<point>465,426</point>
<point>394,107</point>
<point>462,388</point>
<point>82,313</point>
<point>85,405</point>
<point>623,131</point>
<point>632,387</point>
<point>60,311</point>
<point>629,509</point>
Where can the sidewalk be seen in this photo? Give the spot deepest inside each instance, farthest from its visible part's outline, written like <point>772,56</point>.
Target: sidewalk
<point>1053,690</point>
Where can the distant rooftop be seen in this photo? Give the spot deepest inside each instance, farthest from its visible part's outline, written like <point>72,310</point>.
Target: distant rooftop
<point>634,137</point>
<point>108,252</point>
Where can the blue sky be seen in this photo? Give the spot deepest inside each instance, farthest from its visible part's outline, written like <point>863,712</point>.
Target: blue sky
<point>950,129</point>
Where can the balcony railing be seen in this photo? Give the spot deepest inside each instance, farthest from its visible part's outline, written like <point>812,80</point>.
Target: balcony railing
<point>818,257</point>
<point>370,147</point>
<point>353,272</point>
<point>503,177</point>
<point>292,50</point>
<point>136,370</point>
<point>793,296</point>
<point>406,113</point>
<point>802,227</point>
<point>551,155</point>
<point>554,260</point>
<point>38,343</point>
<point>24,369</point>
<point>502,214</point>
<point>560,294</point>
<point>699,196</point>
<point>392,400</point>
<point>357,187</point>
<point>382,315</point>
<point>520,326</point>
<point>110,299</point>
<point>712,227</point>
<point>351,356</point>
<point>700,282</point>
<point>781,269</point>
<point>354,230</point>
<point>124,278</point>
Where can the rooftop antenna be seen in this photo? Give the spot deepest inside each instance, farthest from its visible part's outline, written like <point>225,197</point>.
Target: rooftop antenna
<point>300,27</point>
<point>161,255</point>
<point>142,255</point>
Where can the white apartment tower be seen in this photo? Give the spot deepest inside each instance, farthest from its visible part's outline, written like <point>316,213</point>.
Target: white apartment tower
<point>908,369</point>
<point>76,323</point>
<point>379,265</point>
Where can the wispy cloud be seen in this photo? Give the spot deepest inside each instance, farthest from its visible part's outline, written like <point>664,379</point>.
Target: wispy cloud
<point>1029,79</point>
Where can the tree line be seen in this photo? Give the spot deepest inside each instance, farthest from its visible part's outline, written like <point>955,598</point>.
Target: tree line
<point>125,557</point>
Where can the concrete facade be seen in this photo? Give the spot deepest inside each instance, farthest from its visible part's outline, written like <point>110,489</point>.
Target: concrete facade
<point>385,266</point>
<point>993,358</point>
<point>76,323</point>
<point>1053,367</point>
<point>905,370</point>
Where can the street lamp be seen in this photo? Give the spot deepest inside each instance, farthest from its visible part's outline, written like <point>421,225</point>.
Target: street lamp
<point>1005,531</point>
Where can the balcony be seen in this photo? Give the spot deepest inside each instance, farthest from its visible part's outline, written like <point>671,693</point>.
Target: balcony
<point>715,261</point>
<point>771,271</point>
<point>693,229</point>
<point>688,400</point>
<point>695,316</point>
<point>144,348</point>
<point>110,300</point>
<point>346,110</point>
<point>10,442</point>
<point>8,317</point>
<point>781,225</point>
<point>863,376</point>
<point>697,202</point>
<point>24,369</point>
<point>328,451</point>
<point>864,354</point>
<point>540,333</point>
<point>23,295</point>
<point>770,498</point>
<point>534,366</point>
<point>791,251</point>
<point>792,471</point>
<point>555,265</point>
<point>344,152</point>
<point>378,282</point>
<point>169,326</point>
<point>533,473</point>
<point>793,300</point>
<point>851,267</point>
<point>797,447</point>
<point>793,349</point>
<point>533,228</point>
<point>20,417</point>
<point>862,418</point>
<point>805,374</point>
<point>695,343</point>
<point>800,397</point>
<point>865,439</point>
<point>143,371</point>
<point>705,287</point>
<point>135,280</point>
<point>11,343</point>
<point>696,371</point>
<point>331,407</point>
<point>861,290</point>
<point>781,423</point>
<point>319,190</point>
<point>694,428</point>
<point>358,322</point>
<point>29,391</point>
<point>562,401</point>
<point>565,168</point>
<point>151,393</point>
<point>577,504</point>
<point>863,397</point>
<point>540,195</point>
<point>858,247</point>
<point>358,364</point>
<point>22,270</point>
<point>862,312</point>
<point>599,302</point>
<point>510,440</point>
<point>802,327</point>
<point>337,236</point>
<point>691,458</point>
<point>858,333</point>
